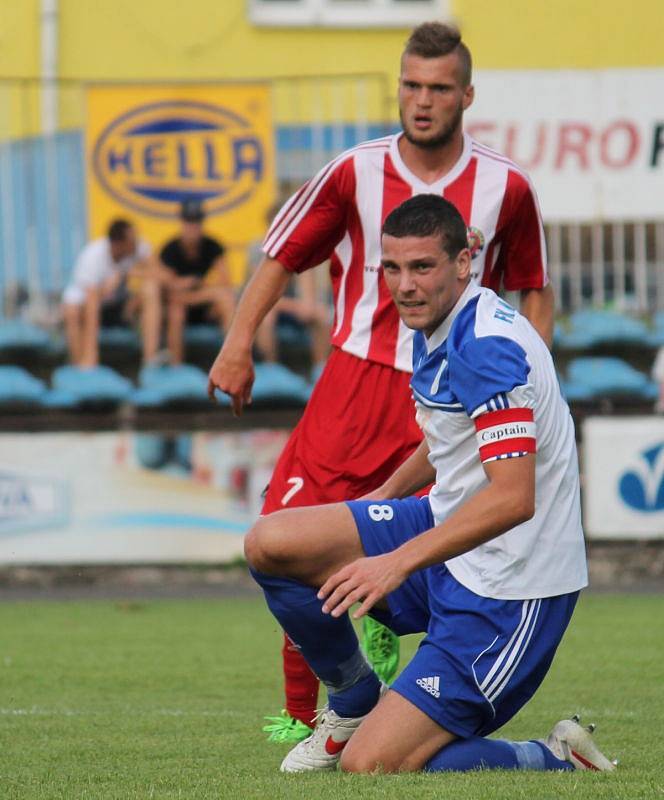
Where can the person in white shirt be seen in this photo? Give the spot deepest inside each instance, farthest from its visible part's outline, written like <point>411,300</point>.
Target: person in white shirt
<point>489,565</point>
<point>99,294</point>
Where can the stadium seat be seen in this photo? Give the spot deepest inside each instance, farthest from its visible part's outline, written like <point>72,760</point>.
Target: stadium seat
<point>60,399</point>
<point>203,336</point>
<point>119,339</point>
<point>18,335</point>
<point>89,386</point>
<point>575,392</point>
<point>656,336</point>
<point>170,385</point>
<point>595,378</point>
<point>19,387</point>
<point>276,384</point>
<point>316,372</point>
<point>593,327</point>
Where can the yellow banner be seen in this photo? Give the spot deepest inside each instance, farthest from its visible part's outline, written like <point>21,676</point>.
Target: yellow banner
<point>151,147</point>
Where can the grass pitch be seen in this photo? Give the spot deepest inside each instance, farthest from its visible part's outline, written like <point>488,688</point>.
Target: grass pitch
<point>164,699</point>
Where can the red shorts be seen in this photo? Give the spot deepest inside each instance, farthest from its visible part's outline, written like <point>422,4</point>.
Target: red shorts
<point>357,428</point>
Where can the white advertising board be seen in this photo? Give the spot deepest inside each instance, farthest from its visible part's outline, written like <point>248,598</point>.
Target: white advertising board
<point>591,140</point>
<point>129,498</point>
<point>623,477</point>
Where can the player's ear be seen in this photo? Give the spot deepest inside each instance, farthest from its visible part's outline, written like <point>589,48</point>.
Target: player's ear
<point>463,264</point>
<point>468,96</point>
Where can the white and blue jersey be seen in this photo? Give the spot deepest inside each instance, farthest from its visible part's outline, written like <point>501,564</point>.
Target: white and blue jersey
<point>485,389</point>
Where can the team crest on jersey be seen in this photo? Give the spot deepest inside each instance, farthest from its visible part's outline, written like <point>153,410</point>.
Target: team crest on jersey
<point>156,155</point>
<point>476,241</point>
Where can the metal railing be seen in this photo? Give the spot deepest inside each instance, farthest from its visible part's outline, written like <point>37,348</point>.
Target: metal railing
<point>618,264</point>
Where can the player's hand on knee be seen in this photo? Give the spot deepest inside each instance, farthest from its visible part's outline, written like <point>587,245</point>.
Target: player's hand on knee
<point>365,581</point>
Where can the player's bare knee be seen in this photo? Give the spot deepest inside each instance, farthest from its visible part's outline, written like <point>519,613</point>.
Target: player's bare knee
<point>352,762</point>
<point>261,544</point>
<point>252,549</point>
<point>355,761</point>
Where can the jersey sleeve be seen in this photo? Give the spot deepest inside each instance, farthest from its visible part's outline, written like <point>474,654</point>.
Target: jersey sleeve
<point>490,377</point>
<point>313,221</point>
<point>522,257</point>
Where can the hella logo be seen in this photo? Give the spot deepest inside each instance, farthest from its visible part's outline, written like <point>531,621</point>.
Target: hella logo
<point>642,488</point>
<point>155,156</point>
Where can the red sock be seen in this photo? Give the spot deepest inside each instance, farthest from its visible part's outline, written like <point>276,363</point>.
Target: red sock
<point>300,683</point>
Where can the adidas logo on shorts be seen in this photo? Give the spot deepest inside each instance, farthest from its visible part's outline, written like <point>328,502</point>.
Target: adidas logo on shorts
<point>431,685</point>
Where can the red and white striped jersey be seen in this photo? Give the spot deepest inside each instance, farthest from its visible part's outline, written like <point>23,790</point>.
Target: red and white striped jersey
<point>339,213</point>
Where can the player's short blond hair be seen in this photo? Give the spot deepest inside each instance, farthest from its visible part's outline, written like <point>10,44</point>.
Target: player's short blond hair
<point>436,39</point>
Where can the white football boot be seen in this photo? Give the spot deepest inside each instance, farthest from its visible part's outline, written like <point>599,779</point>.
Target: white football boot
<point>322,750</point>
<point>570,741</point>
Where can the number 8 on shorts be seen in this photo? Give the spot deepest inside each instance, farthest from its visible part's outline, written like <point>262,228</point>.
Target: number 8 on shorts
<point>378,513</point>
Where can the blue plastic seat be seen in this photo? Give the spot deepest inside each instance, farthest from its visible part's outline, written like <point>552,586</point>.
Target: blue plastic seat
<point>208,336</point>
<point>90,386</point>
<point>316,372</point>
<point>168,385</point>
<point>277,384</point>
<point>19,387</point>
<point>592,327</point>
<point>59,399</point>
<point>574,392</point>
<point>607,377</point>
<point>656,335</point>
<point>19,335</point>
<point>120,339</point>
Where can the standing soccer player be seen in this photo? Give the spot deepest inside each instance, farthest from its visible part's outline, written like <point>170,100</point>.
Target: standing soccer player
<point>359,424</point>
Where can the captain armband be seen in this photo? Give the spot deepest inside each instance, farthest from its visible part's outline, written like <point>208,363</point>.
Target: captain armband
<point>509,433</point>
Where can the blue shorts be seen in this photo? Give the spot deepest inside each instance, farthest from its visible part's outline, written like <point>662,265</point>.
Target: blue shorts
<point>481,659</point>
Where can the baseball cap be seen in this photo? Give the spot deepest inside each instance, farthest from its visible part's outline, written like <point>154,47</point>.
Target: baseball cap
<point>192,211</point>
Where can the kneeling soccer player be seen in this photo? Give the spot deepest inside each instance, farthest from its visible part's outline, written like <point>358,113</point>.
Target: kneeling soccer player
<point>489,565</point>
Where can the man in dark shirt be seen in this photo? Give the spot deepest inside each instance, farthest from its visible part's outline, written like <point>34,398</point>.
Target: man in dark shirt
<point>195,274</point>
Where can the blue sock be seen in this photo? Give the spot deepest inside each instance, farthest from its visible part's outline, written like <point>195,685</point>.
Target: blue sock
<point>476,752</point>
<point>328,644</point>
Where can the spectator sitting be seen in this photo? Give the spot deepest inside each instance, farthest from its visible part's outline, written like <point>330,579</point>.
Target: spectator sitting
<point>301,302</point>
<point>195,274</point>
<point>99,294</point>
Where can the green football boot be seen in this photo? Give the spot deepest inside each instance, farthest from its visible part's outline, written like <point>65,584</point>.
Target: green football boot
<point>382,649</point>
<point>286,729</point>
